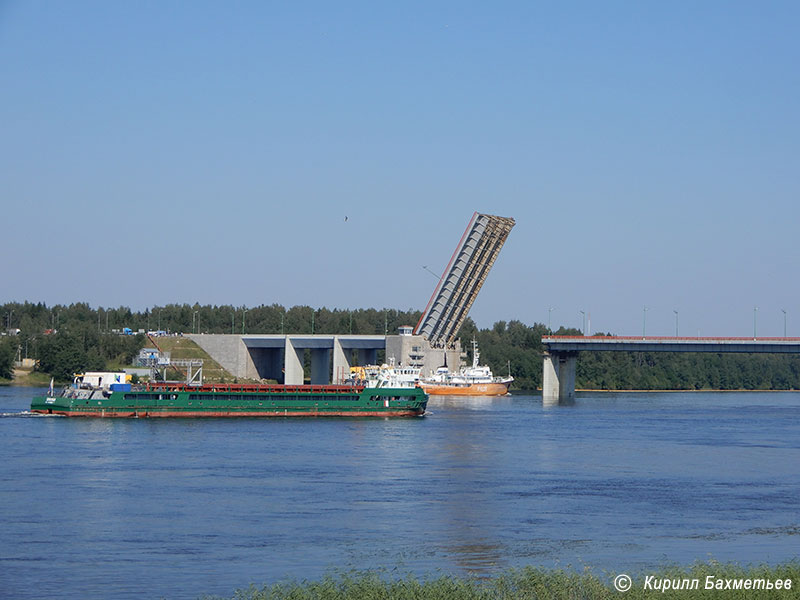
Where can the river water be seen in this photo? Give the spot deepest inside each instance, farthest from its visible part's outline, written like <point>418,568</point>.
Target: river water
<point>93,508</point>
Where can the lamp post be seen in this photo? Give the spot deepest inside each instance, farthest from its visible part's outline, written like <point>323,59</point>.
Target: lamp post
<point>233,314</point>
<point>783,310</point>
<point>583,326</point>
<point>244,312</point>
<point>755,314</point>
<point>676,322</point>
<point>644,323</point>
<point>549,313</point>
<point>194,317</point>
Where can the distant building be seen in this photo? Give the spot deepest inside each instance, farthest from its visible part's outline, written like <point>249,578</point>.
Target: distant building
<point>149,357</point>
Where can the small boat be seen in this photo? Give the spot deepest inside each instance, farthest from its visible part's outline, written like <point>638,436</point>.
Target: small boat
<point>475,380</point>
<point>104,395</point>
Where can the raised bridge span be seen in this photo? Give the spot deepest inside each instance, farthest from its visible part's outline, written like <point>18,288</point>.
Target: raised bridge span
<point>561,352</point>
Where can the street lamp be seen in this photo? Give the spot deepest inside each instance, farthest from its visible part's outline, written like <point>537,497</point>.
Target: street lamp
<point>583,327</point>
<point>676,322</point>
<point>644,323</point>
<point>244,312</point>
<point>755,313</point>
<point>783,310</point>
<point>194,316</point>
<point>233,314</point>
<point>549,312</point>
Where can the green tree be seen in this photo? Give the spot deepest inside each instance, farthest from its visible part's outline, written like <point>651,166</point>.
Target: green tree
<point>8,351</point>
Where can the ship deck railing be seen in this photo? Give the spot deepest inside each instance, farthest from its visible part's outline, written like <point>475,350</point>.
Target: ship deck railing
<point>254,388</point>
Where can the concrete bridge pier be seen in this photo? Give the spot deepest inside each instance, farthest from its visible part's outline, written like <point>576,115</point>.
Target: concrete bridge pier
<point>341,362</point>
<point>367,356</point>
<point>293,367</point>
<point>558,378</point>
<point>268,363</point>
<point>320,366</point>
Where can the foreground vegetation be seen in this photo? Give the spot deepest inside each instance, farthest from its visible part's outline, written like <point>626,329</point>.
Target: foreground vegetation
<point>67,339</point>
<point>533,584</point>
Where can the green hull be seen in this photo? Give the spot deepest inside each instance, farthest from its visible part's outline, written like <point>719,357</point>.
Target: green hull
<point>230,401</point>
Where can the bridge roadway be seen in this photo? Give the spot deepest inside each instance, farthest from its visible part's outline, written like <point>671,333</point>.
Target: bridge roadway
<point>560,356</point>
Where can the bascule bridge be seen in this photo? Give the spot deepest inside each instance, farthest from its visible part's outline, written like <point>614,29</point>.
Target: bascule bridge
<point>433,342</point>
<point>429,345</point>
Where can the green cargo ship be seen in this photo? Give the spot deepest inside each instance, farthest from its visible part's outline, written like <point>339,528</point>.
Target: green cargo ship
<point>210,400</point>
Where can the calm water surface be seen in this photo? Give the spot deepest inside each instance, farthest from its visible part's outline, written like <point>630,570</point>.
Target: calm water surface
<point>180,508</point>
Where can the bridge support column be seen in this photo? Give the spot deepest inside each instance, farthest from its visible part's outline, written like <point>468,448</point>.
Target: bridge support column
<point>268,363</point>
<point>558,378</point>
<point>293,364</point>
<point>320,366</point>
<point>341,362</point>
<point>367,357</point>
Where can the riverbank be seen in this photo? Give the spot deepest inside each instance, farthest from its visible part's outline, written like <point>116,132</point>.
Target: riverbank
<point>27,378</point>
<point>701,580</point>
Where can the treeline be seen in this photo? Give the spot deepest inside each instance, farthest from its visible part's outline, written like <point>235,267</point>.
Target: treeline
<point>66,339</point>
<point>33,319</point>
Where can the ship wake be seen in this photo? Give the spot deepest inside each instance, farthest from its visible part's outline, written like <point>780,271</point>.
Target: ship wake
<point>25,414</point>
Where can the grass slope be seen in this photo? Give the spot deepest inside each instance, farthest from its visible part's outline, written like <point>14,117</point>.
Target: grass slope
<point>180,347</point>
<point>536,584</point>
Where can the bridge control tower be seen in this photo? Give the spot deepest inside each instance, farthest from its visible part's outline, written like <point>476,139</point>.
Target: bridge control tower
<point>433,342</point>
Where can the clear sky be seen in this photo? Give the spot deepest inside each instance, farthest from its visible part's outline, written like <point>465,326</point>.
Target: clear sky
<point>158,152</point>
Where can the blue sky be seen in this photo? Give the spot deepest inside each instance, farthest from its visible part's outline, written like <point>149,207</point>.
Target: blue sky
<point>157,152</point>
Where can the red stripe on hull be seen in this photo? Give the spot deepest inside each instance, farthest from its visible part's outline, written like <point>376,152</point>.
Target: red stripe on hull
<point>208,413</point>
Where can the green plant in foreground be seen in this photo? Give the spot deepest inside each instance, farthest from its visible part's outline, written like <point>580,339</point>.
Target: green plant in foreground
<point>532,583</point>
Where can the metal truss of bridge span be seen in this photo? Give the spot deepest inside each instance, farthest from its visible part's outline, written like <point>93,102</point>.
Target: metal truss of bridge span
<point>462,279</point>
